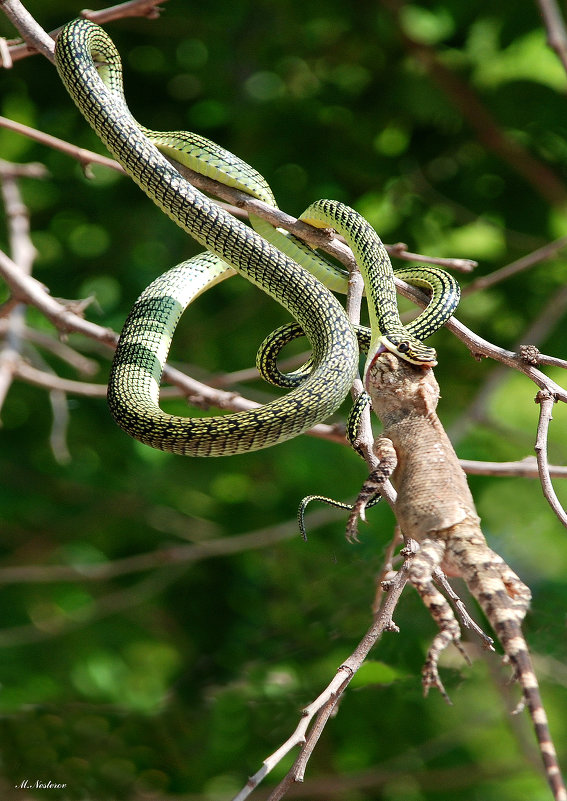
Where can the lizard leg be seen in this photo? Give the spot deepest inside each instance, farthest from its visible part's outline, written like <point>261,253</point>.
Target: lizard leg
<point>386,453</point>
<point>423,564</point>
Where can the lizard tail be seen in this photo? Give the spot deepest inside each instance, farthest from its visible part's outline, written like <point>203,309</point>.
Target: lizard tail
<point>505,608</point>
<point>522,663</point>
<point>504,599</point>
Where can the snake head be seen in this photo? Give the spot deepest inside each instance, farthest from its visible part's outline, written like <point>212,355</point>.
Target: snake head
<point>409,349</point>
<point>405,347</point>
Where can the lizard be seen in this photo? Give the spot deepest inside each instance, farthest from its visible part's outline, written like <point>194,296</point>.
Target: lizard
<point>434,506</point>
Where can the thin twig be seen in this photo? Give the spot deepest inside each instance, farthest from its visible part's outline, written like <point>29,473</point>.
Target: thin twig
<point>82,364</point>
<point>164,557</point>
<point>546,402</point>
<point>526,468</point>
<point>23,254</point>
<point>555,28</point>
<point>240,204</point>
<point>27,289</point>
<point>400,250</point>
<point>60,418</point>
<point>80,154</point>
<point>536,257</point>
<point>552,361</point>
<point>5,55</point>
<point>387,571</point>
<point>537,331</point>
<point>365,437</point>
<point>132,8</point>
<point>441,579</point>
<point>37,40</point>
<point>481,347</point>
<point>327,700</point>
<point>53,383</point>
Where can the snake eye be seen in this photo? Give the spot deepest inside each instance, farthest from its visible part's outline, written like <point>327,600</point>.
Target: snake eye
<point>403,347</point>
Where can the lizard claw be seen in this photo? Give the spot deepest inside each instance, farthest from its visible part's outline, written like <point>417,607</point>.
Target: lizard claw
<point>430,678</point>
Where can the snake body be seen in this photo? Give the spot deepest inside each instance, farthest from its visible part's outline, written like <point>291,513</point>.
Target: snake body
<point>445,295</point>
<point>90,68</point>
<point>134,381</point>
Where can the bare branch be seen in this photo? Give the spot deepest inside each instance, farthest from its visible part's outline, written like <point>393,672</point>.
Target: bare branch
<point>37,40</point>
<point>23,253</point>
<point>133,8</point>
<point>40,378</point>
<point>85,157</point>
<point>59,426</point>
<point>70,356</point>
<point>365,437</point>
<point>54,383</point>
<point>551,361</point>
<point>165,557</point>
<point>5,55</point>
<point>400,250</point>
<point>539,255</point>
<point>27,289</point>
<point>467,621</point>
<point>555,28</point>
<point>546,402</point>
<point>318,707</point>
<point>322,707</point>
<point>526,468</point>
<point>481,347</point>
<point>529,355</point>
<point>387,572</point>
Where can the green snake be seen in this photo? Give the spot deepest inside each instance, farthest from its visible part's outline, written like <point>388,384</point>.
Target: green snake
<point>90,68</point>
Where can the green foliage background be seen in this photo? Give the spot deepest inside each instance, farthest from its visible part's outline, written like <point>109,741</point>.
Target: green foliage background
<point>176,682</point>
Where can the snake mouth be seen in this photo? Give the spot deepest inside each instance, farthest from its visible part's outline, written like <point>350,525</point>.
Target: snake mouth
<point>385,347</point>
<point>370,362</point>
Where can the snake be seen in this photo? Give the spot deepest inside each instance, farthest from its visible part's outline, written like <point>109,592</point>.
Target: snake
<point>445,295</point>
<point>90,68</point>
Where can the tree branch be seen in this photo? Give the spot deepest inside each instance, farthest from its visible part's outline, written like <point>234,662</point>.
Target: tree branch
<point>540,177</point>
<point>84,157</point>
<point>164,557</point>
<point>525,468</point>
<point>536,257</point>
<point>23,253</point>
<point>555,29</point>
<point>546,402</point>
<point>240,204</point>
<point>322,707</point>
<point>37,40</point>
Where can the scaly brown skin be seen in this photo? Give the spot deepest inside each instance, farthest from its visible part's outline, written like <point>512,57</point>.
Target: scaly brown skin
<point>435,507</point>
